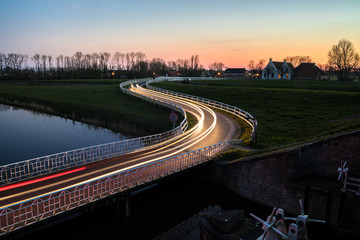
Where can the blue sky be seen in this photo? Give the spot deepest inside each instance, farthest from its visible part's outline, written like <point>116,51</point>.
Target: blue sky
<point>230,31</point>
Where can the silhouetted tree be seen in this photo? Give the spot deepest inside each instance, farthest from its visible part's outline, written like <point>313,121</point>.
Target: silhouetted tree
<point>2,62</point>
<point>297,60</point>
<point>36,59</point>
<point>217,66</point>
<point>43,62</point>
<point>343,58</point>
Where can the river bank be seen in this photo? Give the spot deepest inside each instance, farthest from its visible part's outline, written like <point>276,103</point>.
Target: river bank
<point>100,105</point>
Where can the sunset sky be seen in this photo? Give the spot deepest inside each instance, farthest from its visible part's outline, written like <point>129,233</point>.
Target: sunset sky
<point>230,31</point>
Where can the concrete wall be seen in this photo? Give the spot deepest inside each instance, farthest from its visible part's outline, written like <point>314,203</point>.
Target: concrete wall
<point>275,178</point>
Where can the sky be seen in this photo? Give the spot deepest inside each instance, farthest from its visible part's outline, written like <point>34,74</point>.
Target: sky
<point>230,31</point>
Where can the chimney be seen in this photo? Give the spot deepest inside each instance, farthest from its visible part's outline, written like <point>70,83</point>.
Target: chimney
<point>284,60</point>
<point>270,59</point>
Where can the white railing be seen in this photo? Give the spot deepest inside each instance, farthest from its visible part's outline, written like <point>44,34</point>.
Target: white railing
<point>18,215</point>
<point>247,117</point>
<point>31,211</point>
<point>14,172</point>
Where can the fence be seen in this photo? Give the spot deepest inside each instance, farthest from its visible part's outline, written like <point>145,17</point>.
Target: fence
<point>247,117</point>
<point>31,211</point>
<point>47,164</point>
<point>18,215</point>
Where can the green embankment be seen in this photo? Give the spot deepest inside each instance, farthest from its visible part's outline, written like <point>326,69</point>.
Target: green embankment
<point>98,103</point>
<point>287,111</point>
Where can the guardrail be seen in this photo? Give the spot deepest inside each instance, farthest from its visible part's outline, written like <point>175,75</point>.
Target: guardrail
<point>18,215</point>
<point>34,210</point>
<point>223,106</point>
<point>47,164</point>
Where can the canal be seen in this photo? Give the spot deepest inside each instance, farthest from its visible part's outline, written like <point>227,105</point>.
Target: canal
<point>26,134</point>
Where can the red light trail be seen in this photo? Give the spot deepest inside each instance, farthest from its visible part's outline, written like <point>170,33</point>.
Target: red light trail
<point>16,185</point>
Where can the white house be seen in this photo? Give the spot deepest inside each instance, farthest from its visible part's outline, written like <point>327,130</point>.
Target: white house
<point>278,70</point>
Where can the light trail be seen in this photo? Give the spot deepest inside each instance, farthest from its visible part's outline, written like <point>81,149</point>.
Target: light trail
<point>185,141</point>
<point>21,184</point>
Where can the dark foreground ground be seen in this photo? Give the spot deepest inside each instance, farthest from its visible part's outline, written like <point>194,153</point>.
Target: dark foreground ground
<point>156,210</point>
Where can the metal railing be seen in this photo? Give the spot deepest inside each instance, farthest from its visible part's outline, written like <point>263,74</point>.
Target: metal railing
<point>31,211</point>
<point>14,172</point>
<point>18,215</point>
<point>247,117</point>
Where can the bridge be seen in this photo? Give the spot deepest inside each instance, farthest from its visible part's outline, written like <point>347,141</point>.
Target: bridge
<point>40,188</point>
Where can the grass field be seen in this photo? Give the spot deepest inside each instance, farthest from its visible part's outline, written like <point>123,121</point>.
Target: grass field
<point>69,81</point>
<point>287,111</point>
<point>102,102</point>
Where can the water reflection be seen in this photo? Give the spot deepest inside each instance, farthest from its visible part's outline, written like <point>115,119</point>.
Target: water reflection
<point>27,134</point>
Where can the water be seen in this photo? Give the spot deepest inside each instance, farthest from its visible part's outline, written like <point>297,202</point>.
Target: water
<point>27,134</point>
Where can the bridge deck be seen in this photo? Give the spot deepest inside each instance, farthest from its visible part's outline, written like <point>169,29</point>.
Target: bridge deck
<point>34,199</point>
<point>215,128</point>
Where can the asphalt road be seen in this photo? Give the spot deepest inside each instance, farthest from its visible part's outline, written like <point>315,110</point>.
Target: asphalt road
<point>212,127</point>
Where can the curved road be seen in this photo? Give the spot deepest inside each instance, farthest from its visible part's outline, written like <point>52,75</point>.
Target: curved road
<point>212,127</point>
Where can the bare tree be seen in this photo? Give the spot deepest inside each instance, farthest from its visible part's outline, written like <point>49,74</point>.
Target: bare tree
<point>22,60</point>
<point>36,59</point>
<point>104,59</point>
<point>157,66</point>
<point>217,66</point>
<point>140,57</point>
<point>343,58</point>
<point>192,62</point>
<point>128,62</point>
<point>132,60</point>
<point>251,65</point>
<point>297,60</point>
<point>2,62</point>
<point>172,65</point>
<point>323,67</point>
<point>60,66</point>
<point>260,66</point>
<point>195,62</point>
<point>11,60</point>
<point>67,65</point>
<point>49,58</point>
<point>43,60</point>
<point>117,60</point>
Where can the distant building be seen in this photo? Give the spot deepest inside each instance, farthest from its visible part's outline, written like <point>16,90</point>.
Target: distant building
<point>278,70</point>
<point>309,71</point>
<point>206,73</point>
<point>174,73</point>
<point>236,73</point>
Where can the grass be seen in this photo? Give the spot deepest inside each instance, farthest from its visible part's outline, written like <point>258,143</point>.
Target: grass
<point>100,102</point>
<point>286,84</point>
<point>287,111</point>
<point>69,81</point>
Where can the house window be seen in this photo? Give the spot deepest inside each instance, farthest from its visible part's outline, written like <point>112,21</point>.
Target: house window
<point>279,76</point>
<point>287,76</point>
<point>264,75</point>
<point>272,75</point>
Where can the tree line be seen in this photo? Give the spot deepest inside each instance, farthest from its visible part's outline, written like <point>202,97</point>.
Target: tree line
<point>343,60</point>
<point>94,66</point>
